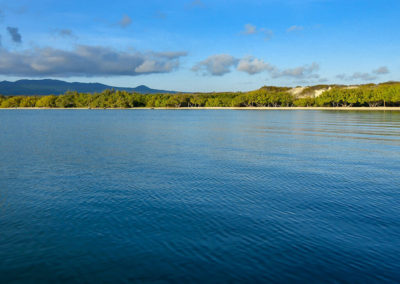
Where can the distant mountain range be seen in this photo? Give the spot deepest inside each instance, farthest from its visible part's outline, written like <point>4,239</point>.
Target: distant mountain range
<point>57,87</point>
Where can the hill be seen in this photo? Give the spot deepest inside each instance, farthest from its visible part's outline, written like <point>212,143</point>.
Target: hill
<point>57,87</point>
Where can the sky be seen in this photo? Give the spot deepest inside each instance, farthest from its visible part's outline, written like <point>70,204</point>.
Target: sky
<point>201,45</point>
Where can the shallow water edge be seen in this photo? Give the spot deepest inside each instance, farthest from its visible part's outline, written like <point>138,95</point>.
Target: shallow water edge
<point>227,108</point>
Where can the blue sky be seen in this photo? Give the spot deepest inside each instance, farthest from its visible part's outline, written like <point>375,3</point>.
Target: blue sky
<point>201,45</point>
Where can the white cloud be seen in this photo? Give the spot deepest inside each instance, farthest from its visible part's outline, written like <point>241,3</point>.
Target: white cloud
<point>221,64</point>
<point>364,76</point>
<point>253,65</point>
<point>381,70</point>
<point>295,28</point>
<point>216,65</point>
<point>356,76</point>
<point>306,71</point>
<point>86,61</point>
<point>249,29</point>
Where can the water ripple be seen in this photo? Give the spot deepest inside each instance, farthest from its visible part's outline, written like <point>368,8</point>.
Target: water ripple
<point>199,196</point>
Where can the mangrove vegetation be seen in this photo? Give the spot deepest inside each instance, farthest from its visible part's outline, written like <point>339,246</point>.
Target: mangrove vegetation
<point>371,95</point>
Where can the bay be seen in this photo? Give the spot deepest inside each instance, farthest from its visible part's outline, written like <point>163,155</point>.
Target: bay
<point>199,196</point>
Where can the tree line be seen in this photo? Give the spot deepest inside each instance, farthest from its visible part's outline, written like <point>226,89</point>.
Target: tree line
<point>337,96</point>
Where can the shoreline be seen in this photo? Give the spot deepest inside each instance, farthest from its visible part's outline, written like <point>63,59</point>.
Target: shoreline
<point>218,108</point>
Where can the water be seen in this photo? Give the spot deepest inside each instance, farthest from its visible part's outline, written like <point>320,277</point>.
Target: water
<point>210,196</point>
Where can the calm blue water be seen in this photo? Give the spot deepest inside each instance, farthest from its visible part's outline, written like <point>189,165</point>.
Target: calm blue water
<point>211,196</point>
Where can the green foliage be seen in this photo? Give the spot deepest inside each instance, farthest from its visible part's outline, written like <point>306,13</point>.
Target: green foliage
<point>65,101</point>
<point>366,95</point>
<point>12,102</point>
<point>304,102</point>
<point>386,94</point>
<point>46,101</point>
<point>28,102</point>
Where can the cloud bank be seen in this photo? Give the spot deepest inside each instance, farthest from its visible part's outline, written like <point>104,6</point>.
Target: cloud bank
<point>364,76</point>
<point>86,61</point>
<point>221,64</point>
